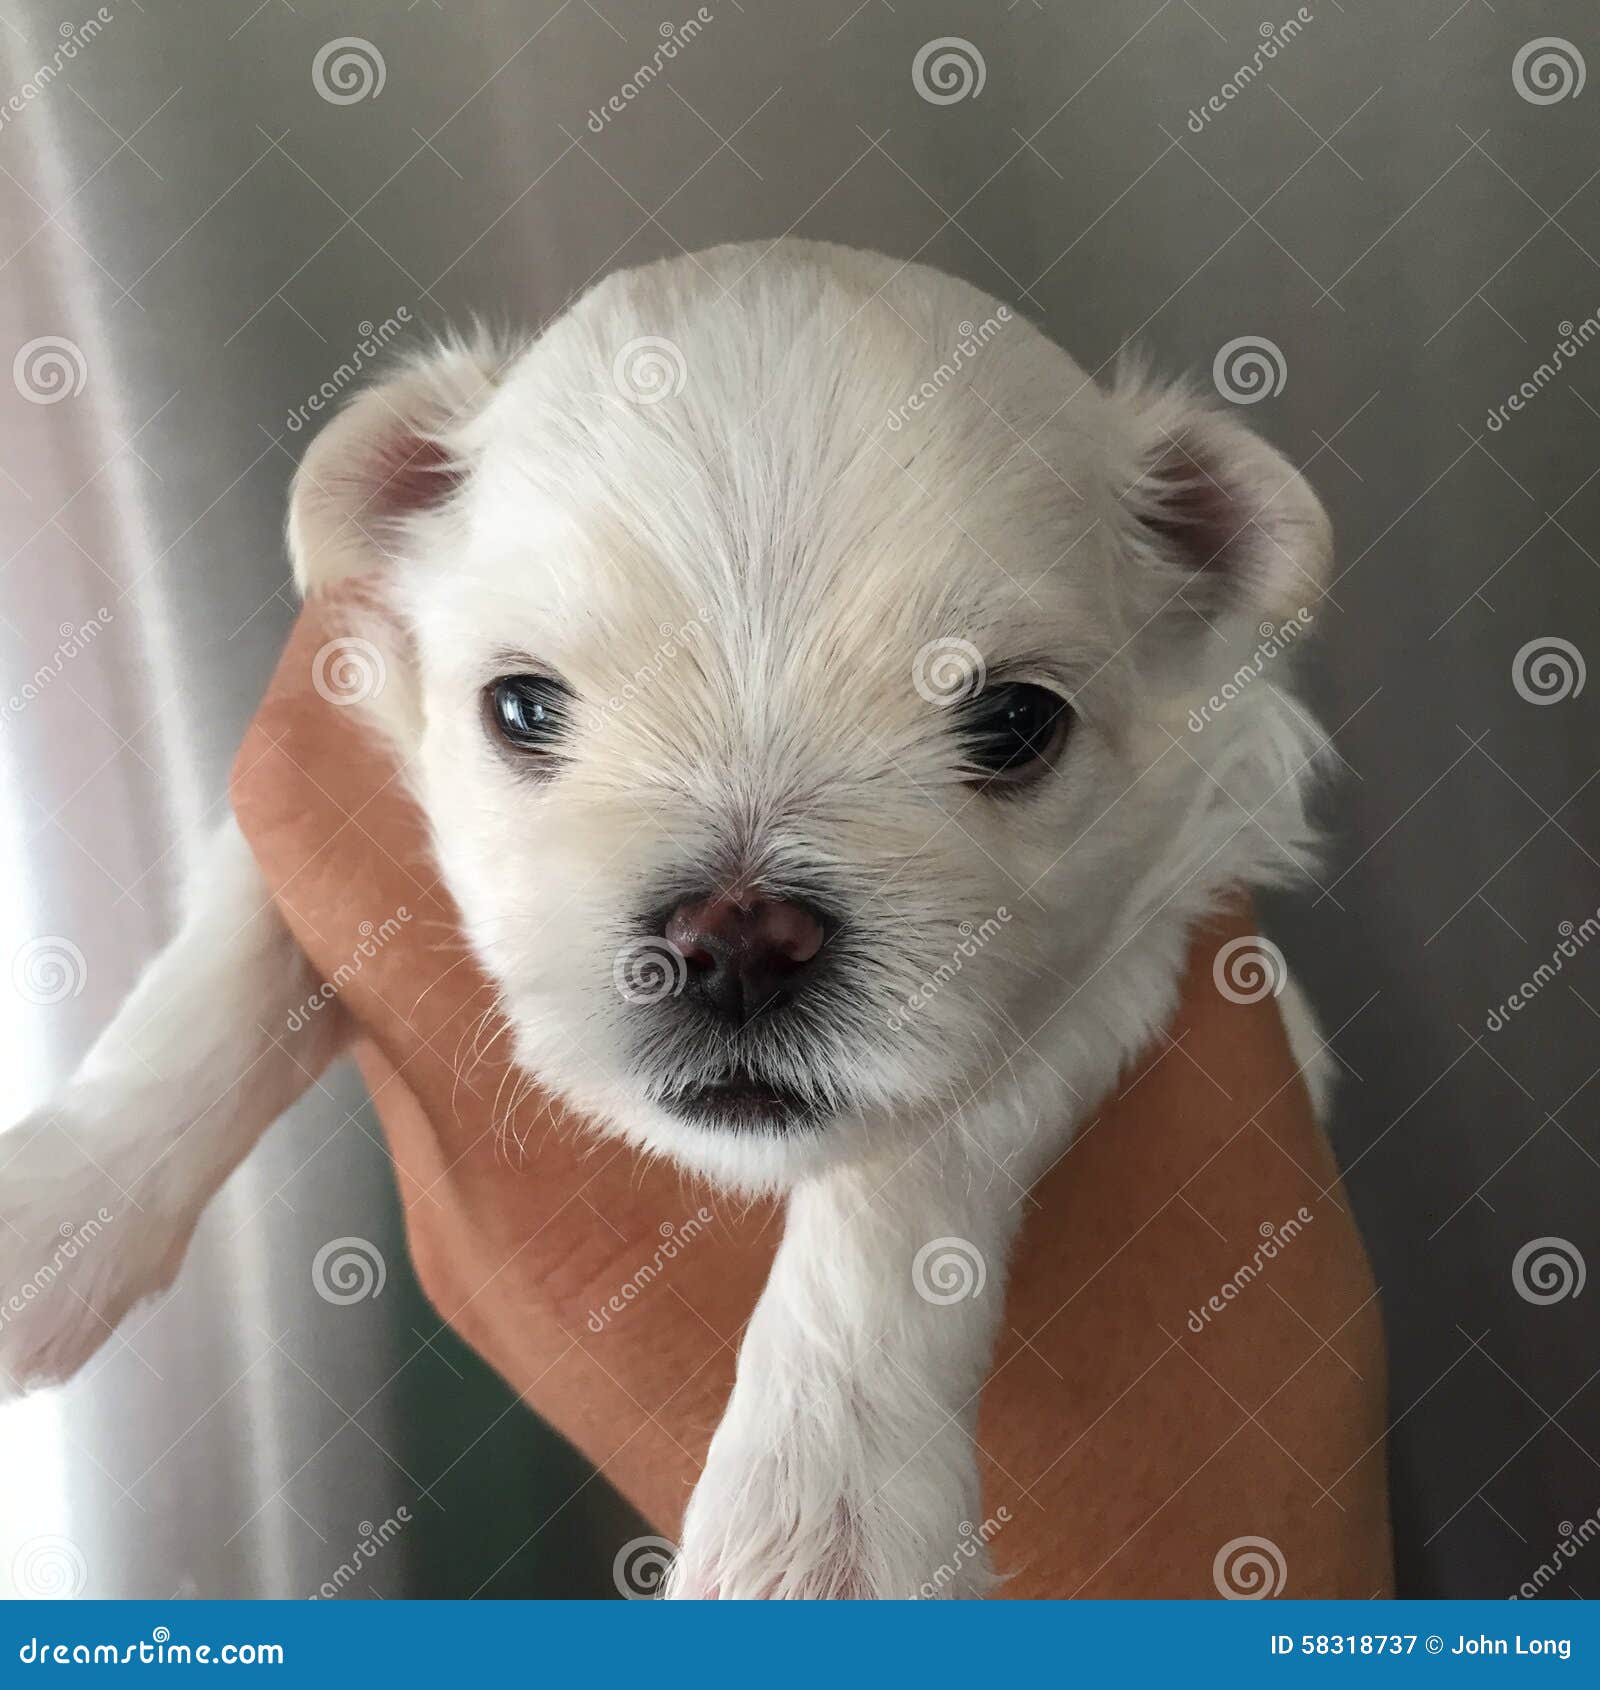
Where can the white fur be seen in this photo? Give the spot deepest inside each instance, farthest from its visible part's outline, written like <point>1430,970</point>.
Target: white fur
<point>100,1192</point>
<point>736,579</point>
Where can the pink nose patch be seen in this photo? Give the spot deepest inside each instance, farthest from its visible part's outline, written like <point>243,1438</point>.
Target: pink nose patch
<point>744,950</point>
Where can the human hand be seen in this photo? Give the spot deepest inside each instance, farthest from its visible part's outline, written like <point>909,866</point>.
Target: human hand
<point>1122,1450</point>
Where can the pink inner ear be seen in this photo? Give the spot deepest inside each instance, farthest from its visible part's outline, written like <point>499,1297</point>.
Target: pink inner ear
<point>1198,516</point>
<point>410,474</point>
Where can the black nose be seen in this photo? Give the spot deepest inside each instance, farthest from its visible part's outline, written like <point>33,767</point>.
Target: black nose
<point>746,953</point>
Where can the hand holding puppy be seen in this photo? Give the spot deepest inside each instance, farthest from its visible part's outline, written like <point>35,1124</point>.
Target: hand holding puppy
<point>1118,1456</point>
<point>743,702</point>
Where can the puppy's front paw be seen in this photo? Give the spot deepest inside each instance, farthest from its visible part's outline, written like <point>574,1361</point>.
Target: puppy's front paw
<point>816,1505</point>
<point>83,1236</point>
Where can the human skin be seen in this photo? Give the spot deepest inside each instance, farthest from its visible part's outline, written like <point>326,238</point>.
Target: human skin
<point>1121,1448</point>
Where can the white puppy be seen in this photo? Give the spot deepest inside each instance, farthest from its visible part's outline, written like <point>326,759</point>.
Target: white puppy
<point>798,658</point>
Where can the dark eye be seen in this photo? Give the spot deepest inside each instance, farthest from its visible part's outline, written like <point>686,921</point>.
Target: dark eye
<point>529,712</point>
<point>1007,731</point>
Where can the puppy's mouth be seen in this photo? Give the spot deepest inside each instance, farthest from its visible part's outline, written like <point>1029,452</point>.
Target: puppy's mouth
<point>742,1102</point>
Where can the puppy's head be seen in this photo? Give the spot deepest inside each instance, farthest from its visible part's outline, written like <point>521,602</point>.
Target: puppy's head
<point>803,654</point>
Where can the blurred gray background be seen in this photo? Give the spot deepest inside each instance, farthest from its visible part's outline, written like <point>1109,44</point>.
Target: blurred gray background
<point>1401,202</point>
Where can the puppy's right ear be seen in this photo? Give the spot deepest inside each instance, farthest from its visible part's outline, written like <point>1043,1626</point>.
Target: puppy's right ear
<point>391,455</point>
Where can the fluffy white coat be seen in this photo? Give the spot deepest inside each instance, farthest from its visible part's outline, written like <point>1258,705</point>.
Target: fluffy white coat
<point>771,516</point>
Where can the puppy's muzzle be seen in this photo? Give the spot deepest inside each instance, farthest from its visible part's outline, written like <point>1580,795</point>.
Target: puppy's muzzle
<point>746,953</point>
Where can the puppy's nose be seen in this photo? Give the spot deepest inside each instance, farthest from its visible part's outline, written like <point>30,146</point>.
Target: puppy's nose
<point>746,953</point>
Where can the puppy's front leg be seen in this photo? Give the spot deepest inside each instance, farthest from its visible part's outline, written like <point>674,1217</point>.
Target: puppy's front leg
<point>100,1191</point>
<point>844,1466</point>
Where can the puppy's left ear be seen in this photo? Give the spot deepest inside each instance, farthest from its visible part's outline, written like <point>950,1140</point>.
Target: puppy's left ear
<point>385,465</point>
<point>1210,498</point>
<point>390,456</point>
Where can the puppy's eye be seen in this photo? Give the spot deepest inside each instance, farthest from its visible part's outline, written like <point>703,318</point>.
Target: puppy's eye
<point>1009,732</point>
<point>529,712</point>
